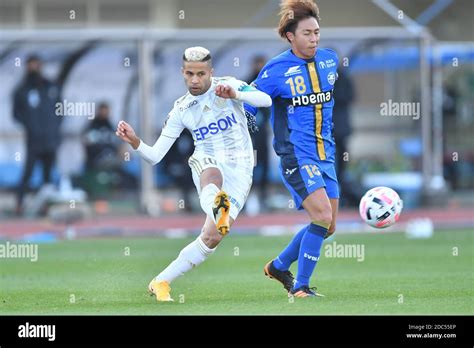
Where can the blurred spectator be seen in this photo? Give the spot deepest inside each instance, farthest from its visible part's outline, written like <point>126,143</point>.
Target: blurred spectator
<point>260,138</point>
<point>34,108</point>
<point>450,112</point>
<point>343,96</point>
<point>100,141</point>
<point>103,161</point>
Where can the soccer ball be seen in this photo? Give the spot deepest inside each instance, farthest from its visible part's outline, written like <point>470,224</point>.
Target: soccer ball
<point>380,207</point>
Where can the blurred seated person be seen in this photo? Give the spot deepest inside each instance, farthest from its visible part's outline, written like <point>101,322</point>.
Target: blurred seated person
<point>99,140</point>
<point>104,165</point>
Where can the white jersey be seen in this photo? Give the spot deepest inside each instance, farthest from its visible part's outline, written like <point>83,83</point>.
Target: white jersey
<point>218,125</point>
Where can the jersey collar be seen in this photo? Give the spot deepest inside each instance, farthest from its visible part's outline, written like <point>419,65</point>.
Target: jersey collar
<point>306,60</point>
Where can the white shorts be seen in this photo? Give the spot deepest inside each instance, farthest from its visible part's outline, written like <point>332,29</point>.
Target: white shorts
<point>236,181</point>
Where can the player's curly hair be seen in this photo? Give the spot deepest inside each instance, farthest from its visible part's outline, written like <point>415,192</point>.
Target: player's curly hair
<point>292,12</point>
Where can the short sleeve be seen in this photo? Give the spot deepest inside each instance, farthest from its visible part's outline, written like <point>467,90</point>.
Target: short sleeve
<point>266,81</point>
<point>173,125</point>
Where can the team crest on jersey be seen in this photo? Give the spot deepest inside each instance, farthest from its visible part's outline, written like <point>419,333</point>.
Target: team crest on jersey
<point>332,78</point>
<point>294,70</point>
<point>265,74</point>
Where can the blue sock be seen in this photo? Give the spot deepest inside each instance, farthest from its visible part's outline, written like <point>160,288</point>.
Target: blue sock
<point>310,250</point>
<point>290,254</point>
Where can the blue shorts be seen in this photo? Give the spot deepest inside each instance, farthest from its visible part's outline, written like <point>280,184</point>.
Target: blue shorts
<point>302,179</point>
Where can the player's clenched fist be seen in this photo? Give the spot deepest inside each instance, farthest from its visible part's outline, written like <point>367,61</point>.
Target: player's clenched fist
<point>224,91</point>
<point>127,134</point>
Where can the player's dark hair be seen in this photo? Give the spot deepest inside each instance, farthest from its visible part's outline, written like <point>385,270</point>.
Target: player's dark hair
<point>33,58</point>
<point>292,12</point>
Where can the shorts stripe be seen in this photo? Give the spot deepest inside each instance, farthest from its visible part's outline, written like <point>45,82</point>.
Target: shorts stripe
<point>196,165</point>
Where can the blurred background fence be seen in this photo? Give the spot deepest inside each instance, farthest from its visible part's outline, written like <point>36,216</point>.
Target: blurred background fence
<point>122,59</point>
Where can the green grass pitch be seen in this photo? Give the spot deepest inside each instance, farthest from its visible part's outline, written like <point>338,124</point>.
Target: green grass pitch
<point>110,276</point>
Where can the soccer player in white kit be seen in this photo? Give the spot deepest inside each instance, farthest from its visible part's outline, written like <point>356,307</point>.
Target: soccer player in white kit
<point>222,163</point>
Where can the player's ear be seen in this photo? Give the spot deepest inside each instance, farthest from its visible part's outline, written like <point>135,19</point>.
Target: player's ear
<point>290,36</point>
<point>212,72</point>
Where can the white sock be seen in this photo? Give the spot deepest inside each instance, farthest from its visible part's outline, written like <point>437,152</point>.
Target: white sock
<point>191,256</point>
<point>208,194</point>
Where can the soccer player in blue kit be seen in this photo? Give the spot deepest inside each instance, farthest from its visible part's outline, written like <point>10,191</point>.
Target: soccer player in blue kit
<point>300,82</point>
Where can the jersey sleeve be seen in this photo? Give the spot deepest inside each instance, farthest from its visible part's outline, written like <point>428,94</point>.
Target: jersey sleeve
<point>266,81</point>
<point>154,154</point>
<point>173,126</point>
<point>240,86</point>
<point>249,94</point>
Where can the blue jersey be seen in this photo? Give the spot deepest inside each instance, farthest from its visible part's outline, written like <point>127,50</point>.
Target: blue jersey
<point>301,90</point>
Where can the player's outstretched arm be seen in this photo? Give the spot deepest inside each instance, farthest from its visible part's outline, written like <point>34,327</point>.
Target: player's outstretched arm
<point>152,154</point>
<point>246,94</point>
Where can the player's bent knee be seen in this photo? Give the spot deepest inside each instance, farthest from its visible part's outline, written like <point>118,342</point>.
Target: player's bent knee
<point>216,180</point>
<point>211,176</point>
<point>322,217</point>
<point>319,208</point>
<point>211,239</point>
